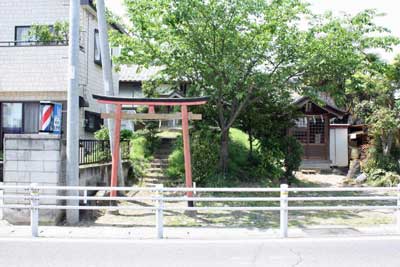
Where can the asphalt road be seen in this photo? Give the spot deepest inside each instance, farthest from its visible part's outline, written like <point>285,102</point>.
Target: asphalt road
<point>342,252</point>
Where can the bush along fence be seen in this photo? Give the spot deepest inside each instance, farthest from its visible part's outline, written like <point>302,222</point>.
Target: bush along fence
<point>99,151</point>
<point>34,194</point>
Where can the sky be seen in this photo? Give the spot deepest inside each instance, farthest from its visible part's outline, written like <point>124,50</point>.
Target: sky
<point>389,7</point>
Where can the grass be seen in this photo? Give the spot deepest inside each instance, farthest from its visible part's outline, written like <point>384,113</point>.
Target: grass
<point>138,148</point>
<point>257,219</point>
<point>263,219</point>
<point>240,137</point>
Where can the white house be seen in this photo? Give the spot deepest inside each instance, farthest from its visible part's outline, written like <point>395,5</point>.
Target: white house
<point>131,79</point>
<point>31,72</point>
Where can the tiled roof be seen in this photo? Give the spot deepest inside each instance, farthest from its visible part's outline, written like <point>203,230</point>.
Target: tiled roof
<point>325,98</point>
<point>134,73</point>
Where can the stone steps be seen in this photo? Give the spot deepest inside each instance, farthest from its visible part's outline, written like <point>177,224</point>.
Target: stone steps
<point>154,170</point>
<point>155,173</point>
<point>156,160</point>
<point>315,165</point>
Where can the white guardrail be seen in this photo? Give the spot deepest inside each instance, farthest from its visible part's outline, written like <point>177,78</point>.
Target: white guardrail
<point>32,193</point>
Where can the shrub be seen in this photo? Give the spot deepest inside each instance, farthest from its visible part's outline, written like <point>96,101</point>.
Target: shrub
<point>150,133</point>
<point>140,148</point>
<point>204,151</point>
<point>280,157</point>
<point>140,155</point>
<point>103,134</point>
<point>376,160</point>
<point>58,33</point>
<point>204,143</point>
<point>270,166</point>
<point>379,177</point>
<point>293,151</point>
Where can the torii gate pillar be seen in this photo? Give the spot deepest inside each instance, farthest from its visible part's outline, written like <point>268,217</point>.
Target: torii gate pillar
<point>186,152</point>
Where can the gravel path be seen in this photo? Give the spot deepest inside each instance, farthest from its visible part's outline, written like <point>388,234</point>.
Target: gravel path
<point>323,180</point>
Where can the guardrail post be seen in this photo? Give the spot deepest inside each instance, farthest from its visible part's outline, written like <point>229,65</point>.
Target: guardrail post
<point>194,191</point>
<point>398,208</point>
<point>284,211</point>
<point>34,197</point>
<point>159,211</point>
<point>1,201</point>
<point>85,196</point>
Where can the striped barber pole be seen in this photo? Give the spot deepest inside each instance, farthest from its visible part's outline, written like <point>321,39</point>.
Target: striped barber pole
<point>46,118</point>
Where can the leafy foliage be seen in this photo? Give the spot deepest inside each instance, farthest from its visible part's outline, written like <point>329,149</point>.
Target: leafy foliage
<point>381,177</point>
<point>204,147</point>
<point>238,51</point>
<point>140,155</point>
<point>372,93</point>
<point>103,134</point>
<point>57,33</point>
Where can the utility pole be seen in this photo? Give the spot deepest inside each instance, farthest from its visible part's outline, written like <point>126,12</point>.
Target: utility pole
<point>72,170</point>
<point>107,74</point>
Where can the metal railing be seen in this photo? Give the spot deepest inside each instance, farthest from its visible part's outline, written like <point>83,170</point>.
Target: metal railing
<point>34,193</point>
<point>99,151</point>
<point>32,43</point>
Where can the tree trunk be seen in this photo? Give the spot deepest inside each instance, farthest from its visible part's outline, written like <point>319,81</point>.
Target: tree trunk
<point>387,142</point>
<point>224,153</point>
<point>250,143</point>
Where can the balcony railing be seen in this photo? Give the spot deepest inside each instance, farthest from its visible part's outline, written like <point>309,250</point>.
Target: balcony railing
<point>32,43</point>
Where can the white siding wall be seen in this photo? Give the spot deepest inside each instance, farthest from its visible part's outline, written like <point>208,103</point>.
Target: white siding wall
<point>31,68</point>
<point>40,72</point>
<point>91,74</point>
<point>41,68</point>
<point>26,12</point>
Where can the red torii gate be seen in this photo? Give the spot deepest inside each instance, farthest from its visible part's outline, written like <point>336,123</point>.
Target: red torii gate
<point>151,103</point>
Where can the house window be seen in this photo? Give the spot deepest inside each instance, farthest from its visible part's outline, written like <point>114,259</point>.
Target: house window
<point>31,117</point>
<point>93,121</point>
<point>300,135</point>
<point>317,130</point>
<point>82,38</point>
<point>22,35</point>
<point>97,54</point>
<point>12,117</point>
<point>301,122</point>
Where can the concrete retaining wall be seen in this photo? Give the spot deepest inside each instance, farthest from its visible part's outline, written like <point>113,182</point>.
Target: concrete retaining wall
<point>99,174</point>
<point>32,158</point>
<point>40,158</point>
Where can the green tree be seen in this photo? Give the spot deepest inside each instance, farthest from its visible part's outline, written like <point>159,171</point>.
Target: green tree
<point>57,33</point>
<point>237,50</point>
<point>373,93</point>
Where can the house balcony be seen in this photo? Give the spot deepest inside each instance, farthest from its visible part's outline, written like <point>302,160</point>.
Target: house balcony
<point>33,71</point>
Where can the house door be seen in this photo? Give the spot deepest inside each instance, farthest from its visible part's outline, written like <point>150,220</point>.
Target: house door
<point>312,132</point>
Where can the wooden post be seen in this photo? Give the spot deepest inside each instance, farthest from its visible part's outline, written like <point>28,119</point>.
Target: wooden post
<point>115,154</point>
<point>186,151</point>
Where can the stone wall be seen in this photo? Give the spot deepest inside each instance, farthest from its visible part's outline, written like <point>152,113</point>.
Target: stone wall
<point>32,158</point>
<point>40,158</point>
